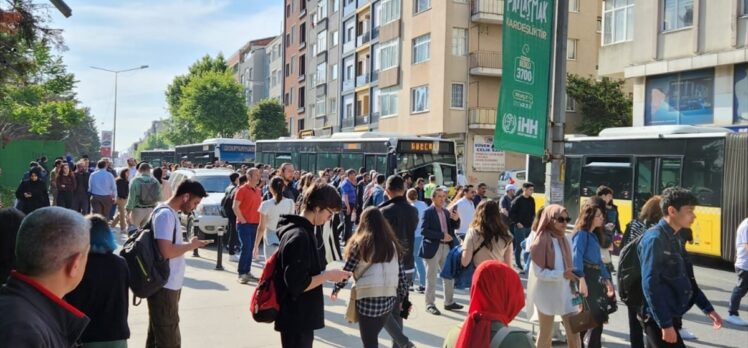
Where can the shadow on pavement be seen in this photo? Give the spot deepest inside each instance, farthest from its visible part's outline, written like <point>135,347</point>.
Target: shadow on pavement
<point>200,284</point>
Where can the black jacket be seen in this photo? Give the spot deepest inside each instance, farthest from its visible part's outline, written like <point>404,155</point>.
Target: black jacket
<point>39,196</point>
<point>403,219</point>
<point>81,187</point>
<point>103,296</point>
<point>298,262</point>
<point>432,232</point>
<point>35,318</point>
<point>522,211</point>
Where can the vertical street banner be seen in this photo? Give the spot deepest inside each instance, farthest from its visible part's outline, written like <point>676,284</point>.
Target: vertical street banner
<point>106,144</point>
<point>527,46</point>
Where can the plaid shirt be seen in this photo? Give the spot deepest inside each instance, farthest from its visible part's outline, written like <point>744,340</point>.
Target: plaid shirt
<point>374,307</point>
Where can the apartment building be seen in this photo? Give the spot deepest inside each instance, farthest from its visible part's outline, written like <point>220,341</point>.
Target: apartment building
<point>275,68</point>
<point>294,61</point>
<point>686,59</point>
<point>323,65</point>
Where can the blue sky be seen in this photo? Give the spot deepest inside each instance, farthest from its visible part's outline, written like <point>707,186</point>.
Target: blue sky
<point>167,35</point>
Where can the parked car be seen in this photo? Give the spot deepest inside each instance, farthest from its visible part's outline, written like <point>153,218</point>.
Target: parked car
<point>514,177</point>
<point>206,219</point>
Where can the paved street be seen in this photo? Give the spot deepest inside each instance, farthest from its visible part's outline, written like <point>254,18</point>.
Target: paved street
<point>215,313</point>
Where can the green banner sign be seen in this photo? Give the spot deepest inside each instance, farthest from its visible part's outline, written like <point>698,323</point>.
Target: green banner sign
<point>522,116</point>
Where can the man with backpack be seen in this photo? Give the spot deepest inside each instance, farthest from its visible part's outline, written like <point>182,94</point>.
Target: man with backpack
<point>668,284</point>
<point>145,192</point>
<point>230,239</point>
<point>163,306</point>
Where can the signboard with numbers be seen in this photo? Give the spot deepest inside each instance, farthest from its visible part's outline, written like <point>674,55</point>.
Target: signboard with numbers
<point>527,43</point>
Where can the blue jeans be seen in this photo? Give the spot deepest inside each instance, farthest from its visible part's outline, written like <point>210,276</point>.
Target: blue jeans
<point>420,266</point>
<point>247,233</point>
<point>520,234</point>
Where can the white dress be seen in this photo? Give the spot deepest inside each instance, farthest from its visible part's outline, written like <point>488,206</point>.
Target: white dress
<point>547,290</point>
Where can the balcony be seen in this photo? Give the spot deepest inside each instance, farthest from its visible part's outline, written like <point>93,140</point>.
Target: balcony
<point>362,3</point>
<point>363,39</point>
<point>487,11</point>
<point>362,80</point>
<point>348,85</point>
<point>485,63</point>
<point>482,118</point>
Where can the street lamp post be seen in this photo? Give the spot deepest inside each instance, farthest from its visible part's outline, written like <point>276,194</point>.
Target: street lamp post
<point>116,74</point>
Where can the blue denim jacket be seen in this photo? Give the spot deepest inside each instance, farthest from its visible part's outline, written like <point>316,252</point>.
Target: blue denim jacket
<point>585,248</point>
<point>667,277</point>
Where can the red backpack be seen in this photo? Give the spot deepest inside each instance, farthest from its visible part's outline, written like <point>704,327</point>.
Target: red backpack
<point>264,305</point>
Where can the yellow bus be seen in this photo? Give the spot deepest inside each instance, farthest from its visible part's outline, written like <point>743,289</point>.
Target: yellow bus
<point>639,162</point>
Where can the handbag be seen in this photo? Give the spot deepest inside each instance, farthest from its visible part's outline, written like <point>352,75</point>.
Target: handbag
<point>584,320</point>
<point>351,312</point>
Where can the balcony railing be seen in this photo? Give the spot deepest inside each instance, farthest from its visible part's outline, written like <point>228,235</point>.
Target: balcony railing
<point>485,63</point>
<point>362,39</point>
<point>361,3</point>
<point>487,11</point>
<point>482,117</point>
<point>362,80</point>
<point>348,85</point>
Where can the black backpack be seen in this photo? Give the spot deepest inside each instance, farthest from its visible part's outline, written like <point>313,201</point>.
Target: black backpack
<point>227,203</point>
<point>630,274</point>
<point>149,270</point>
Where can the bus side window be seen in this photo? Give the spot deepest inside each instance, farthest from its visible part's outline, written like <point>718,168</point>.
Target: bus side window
<point>616,175</point>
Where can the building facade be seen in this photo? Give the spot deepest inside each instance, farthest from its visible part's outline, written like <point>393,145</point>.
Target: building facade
<point>294,63</point>
<point>323,64</point>
<point>275,67</point>
<point>689,65</point>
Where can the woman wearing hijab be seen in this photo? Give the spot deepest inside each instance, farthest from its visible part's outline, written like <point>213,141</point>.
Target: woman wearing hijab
<point>32,194</point>
<point>551,279</point>
<point>491,310</point>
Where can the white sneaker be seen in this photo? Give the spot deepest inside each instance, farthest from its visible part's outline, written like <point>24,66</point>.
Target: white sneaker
<point>234,258</point>
<point>686,335</point>
<point>736,320</point>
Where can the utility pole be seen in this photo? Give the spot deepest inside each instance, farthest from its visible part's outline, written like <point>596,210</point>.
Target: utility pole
<point>554,158</point>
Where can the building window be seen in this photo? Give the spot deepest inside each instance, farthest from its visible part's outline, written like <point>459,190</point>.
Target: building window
<point>334,72</point>
<point>571,104</point>
<point>461,1</point>
<point>333,105</point>
<point>388,101</point>
<point>618,21</point>
<point>388,54</point>
<point>293,30</point>
<point>290,96</point>
<point>301,124</point>
<point>321,10</point>
<point>419,99</point>
<point>599,24</point>
<point>574,5</point>
<point>321,73</point>
<point>680,98</point>
<point>421,48</point>
<point>390,11</point>
<point>458,96</point>
<point>302,97</point>
<point>322,41</point>
<point>741,94</point>
<point>302,33</point>
<point>677,14</point>
<point>334,38</point>
<point>293,64</point>
<point>321,106</point>
<point>285,99</point>
<point>571,49</point>
<point>421,5</point>
<point>335,6</point>
<point>459,41</point>
<point>288,10</point>
<point>349,33</point>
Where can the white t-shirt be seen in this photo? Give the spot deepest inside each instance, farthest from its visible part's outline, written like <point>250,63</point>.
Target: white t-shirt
<point>274,211</point>
<point>164,223</point>
<point>741,239</point>
<point>466,210</point>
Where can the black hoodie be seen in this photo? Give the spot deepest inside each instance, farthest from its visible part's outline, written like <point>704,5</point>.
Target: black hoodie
<point>298,261</point>
<point>38,190</point>
<point>403,219</point>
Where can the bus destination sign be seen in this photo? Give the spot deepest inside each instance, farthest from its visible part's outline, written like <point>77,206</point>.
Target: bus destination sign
<point>418,146</point>
<point>238,148</point>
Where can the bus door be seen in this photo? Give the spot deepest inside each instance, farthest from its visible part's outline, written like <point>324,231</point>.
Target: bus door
<point>376,162</point>
<point>644,184</point>
<point>669,172</point>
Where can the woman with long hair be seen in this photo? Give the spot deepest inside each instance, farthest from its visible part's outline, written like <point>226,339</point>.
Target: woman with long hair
<point>487,238</point>
<point>550,279</point>
<point>374,255</point>
<point>300,270</point>
<point>66,186</point>
<point>123,191</point>
<point>594,279</point>
<point>270,212</point>
<point>491,309</point>
<point>166,191</point>
<point>103,292</point>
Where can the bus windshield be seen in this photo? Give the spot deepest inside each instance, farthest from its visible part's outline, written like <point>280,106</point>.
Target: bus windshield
<point>420,165</point>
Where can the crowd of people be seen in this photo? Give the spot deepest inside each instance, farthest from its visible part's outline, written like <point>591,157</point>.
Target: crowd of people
<point>394,234</point>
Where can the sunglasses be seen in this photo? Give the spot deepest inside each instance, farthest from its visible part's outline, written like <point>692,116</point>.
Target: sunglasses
<point>563,220</point>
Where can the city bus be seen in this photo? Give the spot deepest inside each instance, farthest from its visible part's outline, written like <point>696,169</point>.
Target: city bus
<point>158,157</point>
<point>639,162</point>
<point>385,153</point>
<point>234,151</point>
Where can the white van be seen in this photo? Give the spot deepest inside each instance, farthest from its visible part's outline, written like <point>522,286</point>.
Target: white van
<point>515,177</point>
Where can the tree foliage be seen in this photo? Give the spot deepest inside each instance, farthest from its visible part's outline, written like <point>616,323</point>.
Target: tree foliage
<point>214,103</point>
<point>603,103</point>
<point>80,138</point>
<point>267,120</point>
<point>152,142</point>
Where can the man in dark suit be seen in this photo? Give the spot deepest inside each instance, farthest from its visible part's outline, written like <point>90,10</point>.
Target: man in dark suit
<point>439,226</point>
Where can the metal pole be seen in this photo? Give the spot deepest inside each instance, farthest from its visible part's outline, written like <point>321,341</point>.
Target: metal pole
<point>554,172</point>
<point>114,128</point>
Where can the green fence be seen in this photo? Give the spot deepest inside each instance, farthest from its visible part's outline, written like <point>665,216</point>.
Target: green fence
<point>16,155</point>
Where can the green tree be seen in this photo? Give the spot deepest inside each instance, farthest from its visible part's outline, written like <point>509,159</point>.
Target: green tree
<point>603,103</point>
<point>153,142</point>
<point>214,103</point>
<point>80,138</point>
<point>267,120</point>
